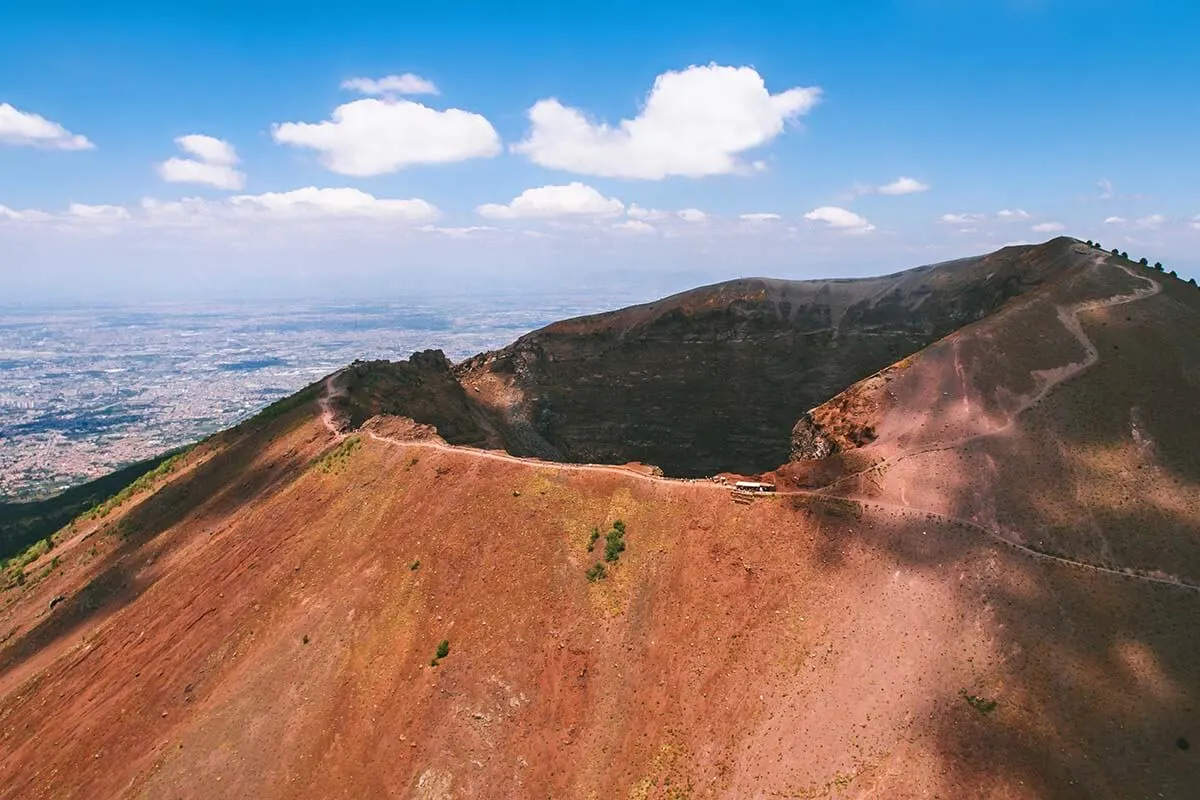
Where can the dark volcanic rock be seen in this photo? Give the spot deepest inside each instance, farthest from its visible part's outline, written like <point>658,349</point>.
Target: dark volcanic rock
<point>808,441</point>
<point>423,388</point>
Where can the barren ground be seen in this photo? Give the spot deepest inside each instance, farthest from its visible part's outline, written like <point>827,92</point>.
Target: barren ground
<point>264,624</point>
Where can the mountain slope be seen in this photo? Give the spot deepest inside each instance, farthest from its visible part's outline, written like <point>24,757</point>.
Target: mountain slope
<point>24,523</point>
<point>1065,423</point>
<point>263,625</point>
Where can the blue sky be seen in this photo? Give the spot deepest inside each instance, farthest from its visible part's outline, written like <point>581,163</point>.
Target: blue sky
<point>159,153</point>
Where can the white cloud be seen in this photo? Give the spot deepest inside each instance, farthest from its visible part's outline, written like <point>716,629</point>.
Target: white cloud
<point>694,122</point>
<point>903,185</point>
<point>841,219</point>
<point>407,83</point>
<point>1010,214</point>
<point>185,170</point>
<point>1152,221</point>
<point>32,130</point>
<point>1048,227</point>
<point>208,149</point>
<point>1115,221</point>
<point>374,137</point>
<point>960,219</point>
<point>101,213</point>
<point>1195,223</point>
<point>634,226</point>
<point>215,166</point>
<point>692,215</point>
<point>759,217</point>
<point>545,202</point>
<point>1106,188</point>
<point>28,215</point>
<point>457,232</point>
<point>313,202</point>
<point>307,206</point>
<point>637,212</point>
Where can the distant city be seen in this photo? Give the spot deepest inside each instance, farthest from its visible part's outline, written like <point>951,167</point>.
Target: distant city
<point>85,391</point>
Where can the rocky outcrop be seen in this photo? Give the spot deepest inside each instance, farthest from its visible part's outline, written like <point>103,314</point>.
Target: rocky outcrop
<point>424,389</point>
<point>809,443</point>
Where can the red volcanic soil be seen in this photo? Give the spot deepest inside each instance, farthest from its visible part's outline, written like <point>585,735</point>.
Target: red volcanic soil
<point>264,624</point>
<point>1080,441</point>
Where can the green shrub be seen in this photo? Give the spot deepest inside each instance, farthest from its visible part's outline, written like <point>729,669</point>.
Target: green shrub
<point>596,573</point>
<point>286,404</point>
<point>14,568</point>
<point>592,537</point>
<point>416,565</point>
<point>840,507</point>
<point>142,484</point>
<point>335,459</point>
<point>443,649</point>
<point>614,542</point>
<point>980,704</point>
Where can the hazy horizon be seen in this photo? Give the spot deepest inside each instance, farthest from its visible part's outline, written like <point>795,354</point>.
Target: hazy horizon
<point>153,153</point>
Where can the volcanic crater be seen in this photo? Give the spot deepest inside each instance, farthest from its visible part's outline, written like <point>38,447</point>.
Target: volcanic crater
<point>707,381</point>
<point>979,576</point>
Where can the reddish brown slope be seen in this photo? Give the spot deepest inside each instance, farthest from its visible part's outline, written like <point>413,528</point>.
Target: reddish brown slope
<point>787,648</point>
<point>257,629</point>
<point>1066,423</point>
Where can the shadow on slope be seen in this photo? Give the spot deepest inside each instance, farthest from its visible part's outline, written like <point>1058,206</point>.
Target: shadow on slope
<point>247,465</point>
<point>1097,689</point>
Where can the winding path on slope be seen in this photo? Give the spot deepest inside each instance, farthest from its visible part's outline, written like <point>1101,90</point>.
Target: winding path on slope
<point>1068,314</point>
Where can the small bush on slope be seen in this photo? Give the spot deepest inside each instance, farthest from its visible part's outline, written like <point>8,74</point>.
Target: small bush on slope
<point>142,484</point>
<point>335,459</point>
<point>614,542</point>
<point>443,650</point>
<point>980,704</point>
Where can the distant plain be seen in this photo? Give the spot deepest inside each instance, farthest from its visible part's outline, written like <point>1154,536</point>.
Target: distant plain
<point>86,390</point>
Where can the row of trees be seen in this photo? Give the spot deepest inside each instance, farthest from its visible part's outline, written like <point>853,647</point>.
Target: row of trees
<point>1145,263</point>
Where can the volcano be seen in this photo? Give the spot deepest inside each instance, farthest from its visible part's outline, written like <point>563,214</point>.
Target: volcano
<point>526,575</point>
